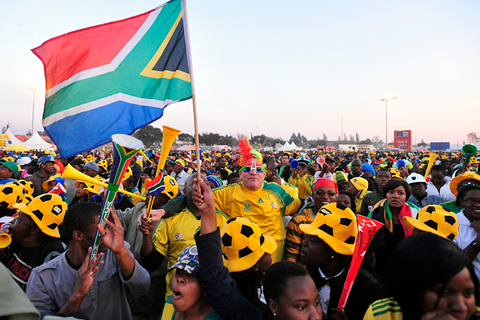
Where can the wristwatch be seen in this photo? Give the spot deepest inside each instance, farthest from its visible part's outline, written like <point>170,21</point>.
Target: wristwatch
<point>475,245</point>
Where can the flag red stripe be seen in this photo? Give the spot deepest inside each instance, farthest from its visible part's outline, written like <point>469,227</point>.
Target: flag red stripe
<point>73,52</point>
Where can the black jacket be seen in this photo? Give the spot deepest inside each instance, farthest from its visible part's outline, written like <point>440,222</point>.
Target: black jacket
<point>220,289</point>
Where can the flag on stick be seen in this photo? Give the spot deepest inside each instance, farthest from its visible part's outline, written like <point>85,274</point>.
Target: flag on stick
<point>366,230</point>
<point>113,78</point>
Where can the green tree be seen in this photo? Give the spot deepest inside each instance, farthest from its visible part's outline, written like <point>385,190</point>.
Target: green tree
<point>149,135</point>
<point>186,137</point>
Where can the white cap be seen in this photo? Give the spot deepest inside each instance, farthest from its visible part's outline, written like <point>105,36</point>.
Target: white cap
<point>415,178</point>
<point>24,161</point>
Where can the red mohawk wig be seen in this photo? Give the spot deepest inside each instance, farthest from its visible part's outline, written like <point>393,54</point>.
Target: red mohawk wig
<point>247,153</point>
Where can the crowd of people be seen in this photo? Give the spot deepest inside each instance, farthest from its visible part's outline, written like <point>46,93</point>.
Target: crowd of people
<point>254,235</point>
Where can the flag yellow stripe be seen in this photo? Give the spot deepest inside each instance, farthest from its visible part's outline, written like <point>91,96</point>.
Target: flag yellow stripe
<point>149,72</point>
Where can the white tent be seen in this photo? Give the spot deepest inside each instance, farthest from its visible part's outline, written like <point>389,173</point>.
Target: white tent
<point>293,146</point>
<point>36,142</point>
<point>286,147</point>
<point>13,138</point>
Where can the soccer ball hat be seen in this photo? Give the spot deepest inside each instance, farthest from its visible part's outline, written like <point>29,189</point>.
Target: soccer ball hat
<point>10,194</point>
<point>51,178</point>
<point>171,186</point>
<point>104,165</point>
<point>47,211</point>
<point>27,187</point>
<point>435,219</point>
<point>243,244</point>
<point>469,175</point>
<point>336,225</point>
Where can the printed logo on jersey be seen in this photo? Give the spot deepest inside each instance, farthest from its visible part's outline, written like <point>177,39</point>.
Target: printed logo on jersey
<point>247,207</point>
<point>274,205</point>
<point>260,200</point>
<point>179,236</point>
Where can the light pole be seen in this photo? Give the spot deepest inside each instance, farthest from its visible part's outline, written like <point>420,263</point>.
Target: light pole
<point>33,109</point>
<point>386,119</point>
<point>341,137</point>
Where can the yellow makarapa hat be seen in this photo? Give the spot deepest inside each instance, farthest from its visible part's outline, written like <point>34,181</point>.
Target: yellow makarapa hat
<point>243,244</point>
<point>435,219</point>
<point>468,175</point>
<point>336,225</point>
<point>47,211</point>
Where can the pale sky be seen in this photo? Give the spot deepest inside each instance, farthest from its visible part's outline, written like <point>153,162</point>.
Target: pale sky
<point>277,67</point>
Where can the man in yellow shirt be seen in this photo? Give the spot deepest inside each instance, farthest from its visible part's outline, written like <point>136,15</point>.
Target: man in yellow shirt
<point>264,203</point>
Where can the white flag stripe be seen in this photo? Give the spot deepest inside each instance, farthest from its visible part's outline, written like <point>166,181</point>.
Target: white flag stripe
<point>105,101</point>
<point>115,62</point>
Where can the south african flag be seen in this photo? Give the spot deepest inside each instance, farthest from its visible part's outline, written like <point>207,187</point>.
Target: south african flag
<point>114,78</point>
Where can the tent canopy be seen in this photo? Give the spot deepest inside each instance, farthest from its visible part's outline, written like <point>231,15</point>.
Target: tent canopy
<point>13,138</point>
<point>36,142</point>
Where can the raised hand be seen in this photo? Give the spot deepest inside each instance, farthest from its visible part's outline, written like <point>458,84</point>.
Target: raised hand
<point>112,233</point>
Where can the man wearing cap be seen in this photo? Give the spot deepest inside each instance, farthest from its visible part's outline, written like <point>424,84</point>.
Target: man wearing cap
<point>47,169</point>
<point>370,199</point>
<point>341,179</point>
<point>35,236</point>
<point>180,175</point>
<point>91,170</point>
<point>328,169</point>
<point>98,290</point>
<point>419,196</point>
<point>8,170</point>
<point>302,180</point>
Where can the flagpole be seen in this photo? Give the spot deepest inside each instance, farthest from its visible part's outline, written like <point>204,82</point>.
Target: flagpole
<point>194,101</point>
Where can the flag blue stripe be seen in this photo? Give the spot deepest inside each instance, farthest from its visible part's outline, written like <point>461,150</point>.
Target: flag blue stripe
<point>99,124</point>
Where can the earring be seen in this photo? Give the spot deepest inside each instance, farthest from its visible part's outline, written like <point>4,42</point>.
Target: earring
<point>274,314</point>
<point>333,257</point>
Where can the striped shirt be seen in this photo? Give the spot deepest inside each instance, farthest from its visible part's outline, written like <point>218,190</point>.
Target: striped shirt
<point>294,237</point>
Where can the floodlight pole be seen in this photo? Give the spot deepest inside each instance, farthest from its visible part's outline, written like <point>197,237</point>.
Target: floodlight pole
<point>386,119</point>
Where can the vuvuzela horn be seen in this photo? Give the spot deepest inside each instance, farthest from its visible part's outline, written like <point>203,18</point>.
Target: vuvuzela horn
<point>72,173</point>
<point>431,161</point>
<point>5,240</point>
<point>125,148</point>
<point>469,151</point>
<point>169,136</point>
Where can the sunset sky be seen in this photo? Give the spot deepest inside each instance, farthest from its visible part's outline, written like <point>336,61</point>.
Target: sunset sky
<point>277,67</point>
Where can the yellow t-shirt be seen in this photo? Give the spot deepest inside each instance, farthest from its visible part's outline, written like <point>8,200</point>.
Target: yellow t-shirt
<point>266,207</point>
<point>304,185</point>
<point>176,233</point>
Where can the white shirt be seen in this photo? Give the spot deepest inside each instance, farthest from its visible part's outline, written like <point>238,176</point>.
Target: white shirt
<point>180,178</point>
<point>327,175</point>
<point>466,235</point>
<point>444,192</point>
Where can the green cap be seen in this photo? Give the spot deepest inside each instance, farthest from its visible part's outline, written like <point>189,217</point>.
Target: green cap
<point>12,166</point>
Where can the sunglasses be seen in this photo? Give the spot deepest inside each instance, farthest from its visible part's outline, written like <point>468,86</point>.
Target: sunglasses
<point>254,168</point>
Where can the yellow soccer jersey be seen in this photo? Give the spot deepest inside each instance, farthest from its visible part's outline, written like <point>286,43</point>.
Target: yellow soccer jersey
<point>291,189</point>
<point>266,207</point>
<point>176,233</point>
<point>304,184</point>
